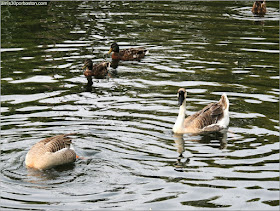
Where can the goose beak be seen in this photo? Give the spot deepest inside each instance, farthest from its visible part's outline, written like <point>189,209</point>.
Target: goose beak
<point>80,157</point>
<point>181,99</point>
<point>110,50</point>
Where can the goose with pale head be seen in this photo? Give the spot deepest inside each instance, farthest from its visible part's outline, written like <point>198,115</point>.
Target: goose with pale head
<point>213,117</point>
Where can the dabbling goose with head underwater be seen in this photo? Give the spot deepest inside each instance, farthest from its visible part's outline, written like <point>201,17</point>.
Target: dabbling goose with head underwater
<point>50,152</point>
<point>98,71</point>
<point>213,117</point>
<point>259,8</point>
<point>130,54</point>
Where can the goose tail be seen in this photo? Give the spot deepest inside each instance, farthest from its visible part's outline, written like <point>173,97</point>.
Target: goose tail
<point>224,101</point>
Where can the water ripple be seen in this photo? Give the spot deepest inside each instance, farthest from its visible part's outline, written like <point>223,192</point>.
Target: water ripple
<point>124,122</point>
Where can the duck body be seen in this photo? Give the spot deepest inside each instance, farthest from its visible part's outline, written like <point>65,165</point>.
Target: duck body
<point>213,117</point>
<point>259,8</point>
<point>50,152</point>
<point>131,54</point>
<point>98,71</point>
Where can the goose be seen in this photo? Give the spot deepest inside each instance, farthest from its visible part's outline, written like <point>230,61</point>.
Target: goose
<point>259,8</point>
<point>98,71</point>
<point>213,117</point>
<point>50,152</point>
<point>127,54</point>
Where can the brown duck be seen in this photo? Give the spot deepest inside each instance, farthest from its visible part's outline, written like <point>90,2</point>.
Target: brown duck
<point>98,71</point>
<point>213,117</point>
<point>51,152</point>
<point>259,8</point>
<point>129,54</point>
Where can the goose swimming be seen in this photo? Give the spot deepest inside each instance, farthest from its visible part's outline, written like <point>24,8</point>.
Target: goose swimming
<point>50,152</point>
<point>213,117</point>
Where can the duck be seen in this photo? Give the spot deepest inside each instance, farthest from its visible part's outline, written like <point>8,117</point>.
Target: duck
<point>98,71</point>
<point>130,54</point>
<point>51,152</point>
<point>213,117</point>
<point>259,8</point>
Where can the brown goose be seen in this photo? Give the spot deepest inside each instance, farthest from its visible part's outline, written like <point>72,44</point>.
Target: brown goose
<point>213,117</point>
<point>259,8</point>
<point>50,152</point>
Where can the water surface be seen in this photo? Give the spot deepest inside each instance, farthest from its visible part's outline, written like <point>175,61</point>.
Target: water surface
<point>124,123</point>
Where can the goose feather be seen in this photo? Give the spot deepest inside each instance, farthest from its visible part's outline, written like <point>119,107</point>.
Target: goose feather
<point>51,152</point>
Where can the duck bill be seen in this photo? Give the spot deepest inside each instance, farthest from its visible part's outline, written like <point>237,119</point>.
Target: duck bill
<point>110,50</point>
<point>181,99</point>
<point>84,67</point>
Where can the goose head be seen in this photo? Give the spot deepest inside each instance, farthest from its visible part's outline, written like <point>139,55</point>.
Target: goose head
<point>182,94</point>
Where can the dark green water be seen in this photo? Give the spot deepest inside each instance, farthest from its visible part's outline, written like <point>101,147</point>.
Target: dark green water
<point>124,123</point>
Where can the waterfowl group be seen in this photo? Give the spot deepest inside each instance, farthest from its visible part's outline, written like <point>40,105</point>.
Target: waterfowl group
<point>100,71</point>
<point>51,152</point>
<point>213,117</point>
<point>54,151</point>
<point>259,8</point>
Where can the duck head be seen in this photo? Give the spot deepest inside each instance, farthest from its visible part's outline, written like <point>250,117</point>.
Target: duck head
<point>88,64</point>
<point>259,3</point>
<point>114,48</point>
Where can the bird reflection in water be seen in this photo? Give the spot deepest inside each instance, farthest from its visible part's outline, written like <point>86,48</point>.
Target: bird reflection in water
<point>180,145</point>
<point>41,177</point>
<point>205,138</point>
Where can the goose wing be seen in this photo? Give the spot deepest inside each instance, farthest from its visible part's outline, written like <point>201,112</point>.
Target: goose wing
<point>56,143</point>
<point>210,114</point>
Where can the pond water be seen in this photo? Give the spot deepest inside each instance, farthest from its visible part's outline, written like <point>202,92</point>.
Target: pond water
<point>124,123</point>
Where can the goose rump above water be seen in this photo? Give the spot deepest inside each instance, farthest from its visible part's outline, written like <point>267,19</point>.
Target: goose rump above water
<point>50,152</point>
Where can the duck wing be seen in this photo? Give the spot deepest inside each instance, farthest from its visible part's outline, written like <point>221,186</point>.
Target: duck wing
<point>132,53</point>
<point>100,70</point>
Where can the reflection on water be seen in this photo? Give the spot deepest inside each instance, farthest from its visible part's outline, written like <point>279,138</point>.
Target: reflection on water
<point>207,138</point>
<point>124,122</point>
